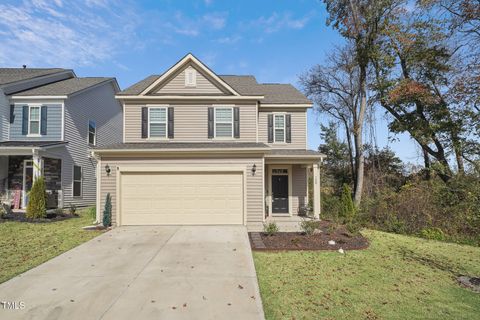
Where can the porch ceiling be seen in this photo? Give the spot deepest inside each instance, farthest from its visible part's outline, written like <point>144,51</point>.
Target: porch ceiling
<point>18,148</point>
<point>293,156</point>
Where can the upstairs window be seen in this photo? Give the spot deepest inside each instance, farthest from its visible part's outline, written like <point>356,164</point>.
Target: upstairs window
<point>157,122</point>
<point>279,127</point>
<point>92,132</point>
<point>34,120</point>
<point>190,77</point>
<point>224,122</point>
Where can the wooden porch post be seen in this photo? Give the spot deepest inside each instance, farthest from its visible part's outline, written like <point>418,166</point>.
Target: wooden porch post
<point>316,190</point>
<point>37,165</point>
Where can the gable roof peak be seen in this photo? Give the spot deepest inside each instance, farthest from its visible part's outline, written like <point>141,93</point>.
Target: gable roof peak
<point>189,57</point>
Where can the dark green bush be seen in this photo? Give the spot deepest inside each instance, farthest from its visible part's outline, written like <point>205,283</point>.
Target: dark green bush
<point>37,200</point>
<point>270,228</point>
<point>347,210</point>
<point>107,212</point>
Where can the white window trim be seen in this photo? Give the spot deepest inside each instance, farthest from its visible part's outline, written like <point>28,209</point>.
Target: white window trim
<point>39,106</point>
<point>88,133</point>
<point>166,122</point>
<point>284,127</point>
<point>215,121</point>
<point>81,181</point>
<point>193,72</point>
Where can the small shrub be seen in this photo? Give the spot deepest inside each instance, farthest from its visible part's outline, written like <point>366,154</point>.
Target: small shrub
<point>107,212</point>
<point>270,228</point>
<point>309,226</point>
<point>72,209</point>
<point>58,212</point>
<point>433,234</point>
<point>37,202</point>
<point>353,228</point>
<point>3,212</point>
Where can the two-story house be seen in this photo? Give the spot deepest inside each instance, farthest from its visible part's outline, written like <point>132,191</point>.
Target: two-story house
<point>49,121</point>
<point>202,148</point>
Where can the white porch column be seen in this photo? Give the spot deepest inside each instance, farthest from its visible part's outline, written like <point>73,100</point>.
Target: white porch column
<point>37,165</point>
<point>316,190</point>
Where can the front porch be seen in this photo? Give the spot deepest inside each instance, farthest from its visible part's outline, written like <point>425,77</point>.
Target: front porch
<point>291,188</point>
<point>20,167</point>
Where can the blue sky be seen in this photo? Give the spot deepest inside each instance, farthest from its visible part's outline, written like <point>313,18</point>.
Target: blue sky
<point>274,40</point>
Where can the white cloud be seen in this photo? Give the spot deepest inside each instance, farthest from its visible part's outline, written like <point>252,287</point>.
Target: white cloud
<point>229,39</point>
<point>215,20</point>
<point>193,26</point>
<point>63,33</point>
<point>277,22</point>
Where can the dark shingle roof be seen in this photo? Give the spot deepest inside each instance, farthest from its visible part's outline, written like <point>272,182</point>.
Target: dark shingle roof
<point>245,85</point>
<point>64,87</point>
<point>183,145</point>
<point>30,144</point>
<point>138,87</point>
<point>10,75</point>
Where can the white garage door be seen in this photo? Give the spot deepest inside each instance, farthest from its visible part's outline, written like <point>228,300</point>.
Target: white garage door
<point>155,198</point>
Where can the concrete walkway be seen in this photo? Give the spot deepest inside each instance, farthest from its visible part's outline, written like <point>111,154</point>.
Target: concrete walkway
<point>188,272</point>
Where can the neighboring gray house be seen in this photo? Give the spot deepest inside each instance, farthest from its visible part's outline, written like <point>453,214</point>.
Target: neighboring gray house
<point>49,121</point>
<point>202,148</point>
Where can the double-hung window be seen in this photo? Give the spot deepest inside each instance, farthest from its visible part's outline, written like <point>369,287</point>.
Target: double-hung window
<point>224,122</point>
<point>157,122</point>
<point>34,120</point>
<point>77,181</point>
<point>92,132</point>
<point>279,127</point>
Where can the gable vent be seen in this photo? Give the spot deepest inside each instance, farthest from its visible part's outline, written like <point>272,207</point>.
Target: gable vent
<point>190,77</point>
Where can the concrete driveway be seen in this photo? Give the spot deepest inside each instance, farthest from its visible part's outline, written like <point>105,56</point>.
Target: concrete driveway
<point>177,272</point>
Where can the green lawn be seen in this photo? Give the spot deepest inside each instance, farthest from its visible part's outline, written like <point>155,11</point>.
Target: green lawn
<point>398,277</point>
<point>26,245</point>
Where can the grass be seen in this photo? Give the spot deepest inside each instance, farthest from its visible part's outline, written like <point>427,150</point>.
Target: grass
<point>26,245</point>
<point>398,277</point>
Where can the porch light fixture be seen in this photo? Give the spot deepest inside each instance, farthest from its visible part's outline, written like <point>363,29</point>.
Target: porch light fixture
<point>254,169</point>
<point>107,169</point>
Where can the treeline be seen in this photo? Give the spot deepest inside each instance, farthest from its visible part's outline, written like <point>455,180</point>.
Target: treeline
<point>419,64</point>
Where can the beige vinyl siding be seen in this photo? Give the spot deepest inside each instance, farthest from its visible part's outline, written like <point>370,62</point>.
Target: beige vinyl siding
<point>190,123</point>
<point>177,85</point>
<point>298,127</point>
<point>254,194</point>
<point>299,187</point>
<point>97,104</point>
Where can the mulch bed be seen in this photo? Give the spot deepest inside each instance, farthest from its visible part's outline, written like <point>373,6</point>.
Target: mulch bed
<point>299,241</point>
<point>51,217</point>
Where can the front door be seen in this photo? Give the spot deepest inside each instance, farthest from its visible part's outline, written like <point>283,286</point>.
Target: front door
<point>27,180</point>
<point>279,193</point>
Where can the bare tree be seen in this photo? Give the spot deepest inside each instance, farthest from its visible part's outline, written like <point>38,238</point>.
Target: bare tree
<point>335,89</point>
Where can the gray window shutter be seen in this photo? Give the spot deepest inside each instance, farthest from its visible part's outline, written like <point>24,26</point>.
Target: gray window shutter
<point>43,121</point>
<point>236,122</point>
<point>12,113</point>
<point>288,128</point>
<point>144,122</point>
<point>210,122</point>
<point>25,120</point>
<point>170,122</point>
<point>270,128</point>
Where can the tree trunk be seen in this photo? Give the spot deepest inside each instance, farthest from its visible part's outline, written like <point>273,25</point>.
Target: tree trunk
<point>426,161</point>
<point>350,150</point>
<point>357,134</point>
